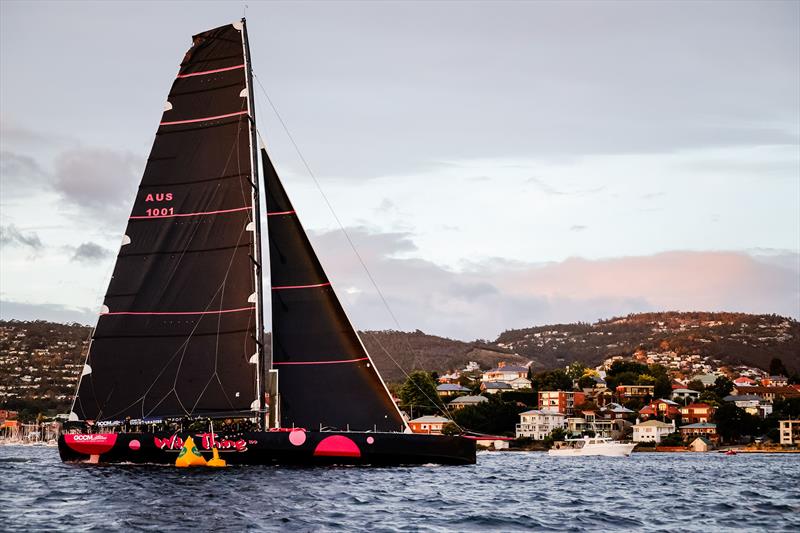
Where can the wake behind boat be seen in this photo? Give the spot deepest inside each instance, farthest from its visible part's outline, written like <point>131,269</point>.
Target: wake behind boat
<point>180,341</point>
<point>592,446</point>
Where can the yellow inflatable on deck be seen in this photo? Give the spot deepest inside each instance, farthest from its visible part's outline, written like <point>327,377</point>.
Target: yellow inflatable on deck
<point>216,461</point>
<point>189,455</point>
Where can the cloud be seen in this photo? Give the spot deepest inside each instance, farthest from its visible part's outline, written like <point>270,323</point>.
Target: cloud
<point>98,179</point>
<point>491,296</point>
<point>11,236</point>
<point>90,252</point>
<point>20,173</point>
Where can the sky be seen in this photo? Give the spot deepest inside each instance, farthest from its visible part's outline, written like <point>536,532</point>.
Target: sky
<point>497,165</point>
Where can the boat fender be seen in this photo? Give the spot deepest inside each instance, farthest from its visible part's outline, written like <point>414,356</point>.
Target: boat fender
<point>189,456</point>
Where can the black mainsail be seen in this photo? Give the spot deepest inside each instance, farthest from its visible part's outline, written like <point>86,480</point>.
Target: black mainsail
<point>326,377</point>
<point>180,329</point>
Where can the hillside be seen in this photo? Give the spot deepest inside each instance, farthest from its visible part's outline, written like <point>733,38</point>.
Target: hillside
<point>732,338</point>
<point>40,361</point>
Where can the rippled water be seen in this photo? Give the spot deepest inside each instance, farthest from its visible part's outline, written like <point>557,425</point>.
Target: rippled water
<point>503,492</point>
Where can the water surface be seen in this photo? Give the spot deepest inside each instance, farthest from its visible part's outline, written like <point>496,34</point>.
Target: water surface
<point>503,492</point>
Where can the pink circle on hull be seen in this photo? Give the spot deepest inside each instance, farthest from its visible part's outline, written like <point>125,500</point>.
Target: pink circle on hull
<point>134,444</point>
<point>370,440</point>
<point>337,446</point>
<point>297,437</point>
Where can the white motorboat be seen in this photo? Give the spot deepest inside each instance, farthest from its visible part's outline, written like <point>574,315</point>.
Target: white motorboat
<point>592,446</point>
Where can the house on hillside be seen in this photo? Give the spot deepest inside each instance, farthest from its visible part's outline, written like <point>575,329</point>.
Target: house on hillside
<point>537,424</point>
<point>466,401</point>
<point>505,372</point>
<point>707,380</point>
<point>428,424</point>
<point>493,387</point>
<point>660,409</point>
<point>627,392</point>
<point>520,383</point>
<point>697,412</point>
<point>743,381</point>
<point>684,395</point>
<point>652,431</point>
<point>615,411</point>
<point>451,389</point>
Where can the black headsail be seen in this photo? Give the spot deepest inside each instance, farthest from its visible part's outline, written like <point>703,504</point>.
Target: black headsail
<point>180,326</point>
<point>326,378</point>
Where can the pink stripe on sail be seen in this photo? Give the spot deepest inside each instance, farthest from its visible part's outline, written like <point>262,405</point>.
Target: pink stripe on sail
<point>283,287</point>
<point>223,311</point>
<point>204,72</point>
<point>201,119</point>
<point>140,217</point>
<point>320,362</point>
<point>275,213</point>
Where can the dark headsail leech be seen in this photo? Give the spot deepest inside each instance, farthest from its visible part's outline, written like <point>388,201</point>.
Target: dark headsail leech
<point>326,377</point>
<point>180,321</point>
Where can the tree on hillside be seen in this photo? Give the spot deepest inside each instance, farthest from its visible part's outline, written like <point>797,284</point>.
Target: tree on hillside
<point>697,385</point>
<point>619,367</point>
<point>552,380</point>
<point>575,370</point>
<point>777,368</point>
<point>494,417</point>
<point>722,387</point>
<point>418,393</point>
<point>734,422</point>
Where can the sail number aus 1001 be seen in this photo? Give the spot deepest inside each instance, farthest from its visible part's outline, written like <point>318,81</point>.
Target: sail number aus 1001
<point>162,211</point>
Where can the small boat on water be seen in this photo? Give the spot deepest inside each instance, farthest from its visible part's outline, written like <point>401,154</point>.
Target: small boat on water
<point>592,446</point>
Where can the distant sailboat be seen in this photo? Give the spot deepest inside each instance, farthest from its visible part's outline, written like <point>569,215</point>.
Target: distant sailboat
<point>181,334</point>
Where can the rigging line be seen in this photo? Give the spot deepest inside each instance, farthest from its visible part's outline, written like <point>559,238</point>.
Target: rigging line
<point>349,240</point>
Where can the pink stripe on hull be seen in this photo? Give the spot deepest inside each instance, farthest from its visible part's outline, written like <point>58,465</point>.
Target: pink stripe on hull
<point>223,311</point>
<point>284,287</point>
<point>204,72</point>
<point>140,217</point>
<point>321,362</point>
<point>276,213</point>
<point>203,119</point>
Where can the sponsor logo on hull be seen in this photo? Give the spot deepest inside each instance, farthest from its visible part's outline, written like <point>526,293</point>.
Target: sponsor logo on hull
<point>206,441</point>
<point>92,444</point>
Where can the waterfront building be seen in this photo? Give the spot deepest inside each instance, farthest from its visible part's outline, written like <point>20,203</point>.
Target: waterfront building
<point>538,424</point>
<point>701,444</point>
<point>428,424</point>
<point>466,401</point>
<point>561,401</point>
<point>697,412</point>
<point>652,431</point>
<point>700,429</point>
<point>790,432</point>
<point>451,389</point>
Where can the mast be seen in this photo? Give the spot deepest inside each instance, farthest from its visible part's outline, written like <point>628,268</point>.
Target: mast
<point>251,108</point>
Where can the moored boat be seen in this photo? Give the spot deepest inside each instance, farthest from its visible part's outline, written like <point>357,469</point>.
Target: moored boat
<point>592,446</point>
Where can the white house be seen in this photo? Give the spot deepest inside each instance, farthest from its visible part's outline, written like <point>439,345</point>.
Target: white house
<point>538,424</point>
<point>790,432</point>
<point>504,372</point>
<point>652,431</point>
<point>520,383</point>
<point>681,395</point>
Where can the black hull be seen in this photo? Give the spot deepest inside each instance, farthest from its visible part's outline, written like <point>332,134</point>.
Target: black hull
<point>306,448</point>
